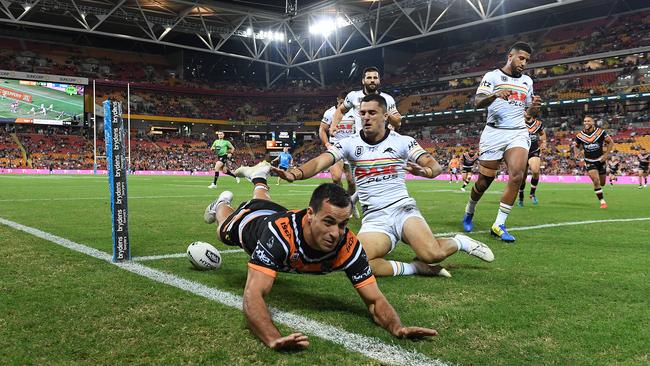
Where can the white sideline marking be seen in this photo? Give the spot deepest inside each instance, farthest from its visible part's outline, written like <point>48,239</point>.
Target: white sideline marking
<point>544,226</point>
<point>367,346</point>
<point>178,255</point>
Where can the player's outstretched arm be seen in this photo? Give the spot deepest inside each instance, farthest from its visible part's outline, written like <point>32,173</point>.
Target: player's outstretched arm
<point>542,141</point>
<point>339,112</point>
<point>426,167</point>
<point>322,133</point>
<point>384,315</point>
<point>258,318</point>
<point>307,170</point>
<point>484,100</point>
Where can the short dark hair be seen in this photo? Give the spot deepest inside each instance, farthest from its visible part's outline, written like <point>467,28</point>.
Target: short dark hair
<point>332,193</point>
<point>369,69</point>
<point>521,46</point>
<point>342,95</point>
<point>376,98</point>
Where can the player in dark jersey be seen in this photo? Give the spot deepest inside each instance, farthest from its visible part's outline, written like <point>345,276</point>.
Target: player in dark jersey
<point>644,161</point>
<point>537,148</point>
<point>614,165</point>
<point>467,161</point>
<point>315,240</point>
<point>596,145</point>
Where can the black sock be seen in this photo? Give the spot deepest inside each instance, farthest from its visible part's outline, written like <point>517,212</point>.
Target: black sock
<point>259,181</point>
<point>465,183</point>
<point>533,185</point>
<point>522,187</point>
<point>230,174</point>
<point>216,176</point>
<point>599,193</point>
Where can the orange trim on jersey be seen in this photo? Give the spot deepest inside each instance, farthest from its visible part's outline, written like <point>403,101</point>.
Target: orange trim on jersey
<point>590,138</point>
<point>346,251</point>
<point>267,271</point>
<point>454,163</point>
<point>366,282</point>
<point>284,224</point>
<point>534,127</point>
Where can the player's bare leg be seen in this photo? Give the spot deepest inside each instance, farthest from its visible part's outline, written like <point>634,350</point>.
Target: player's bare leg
<point>487,171</point>
<point>217,168</point>
<point>516,160</point>
<point>429,249</point>
<point>599,181</point>
<point>522,188</point>
<point>379,246</point>
<point>535,164</point>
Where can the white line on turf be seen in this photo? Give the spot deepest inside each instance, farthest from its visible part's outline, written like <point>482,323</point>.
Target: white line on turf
<point>521,228</point>
<point>544,226</point>
<point>102,198</point>
<point>367,346</point>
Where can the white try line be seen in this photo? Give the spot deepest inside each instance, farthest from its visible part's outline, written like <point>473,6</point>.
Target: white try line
<point>521,228</point>
<point>545,226</point>
<point>367,346</point>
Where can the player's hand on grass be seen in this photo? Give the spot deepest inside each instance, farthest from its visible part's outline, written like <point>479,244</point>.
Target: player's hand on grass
<point>284,174</point>
<point>416,169</point>
<point>295,341</point>
<point>415,332</point>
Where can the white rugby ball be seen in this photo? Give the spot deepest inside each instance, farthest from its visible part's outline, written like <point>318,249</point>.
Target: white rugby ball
<point>203,256</point>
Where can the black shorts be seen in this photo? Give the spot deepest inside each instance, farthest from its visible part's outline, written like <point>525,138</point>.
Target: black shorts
<point>533,154</point>
<point>644,167</point>
<point>613,171</point>
<point>242,227</point>
<point>283,168</point>
<point>467,169</point>
<point>224,159</point>
<point>596,165</point>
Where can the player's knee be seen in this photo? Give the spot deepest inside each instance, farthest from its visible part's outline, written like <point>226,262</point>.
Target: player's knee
<point>435,254</point>
<point>516,177</point>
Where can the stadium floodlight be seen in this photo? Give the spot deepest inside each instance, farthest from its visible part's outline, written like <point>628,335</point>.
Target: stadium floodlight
<point>326,26</point>
<point>249,31</point>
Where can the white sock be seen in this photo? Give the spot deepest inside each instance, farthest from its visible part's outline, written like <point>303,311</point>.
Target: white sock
<point>502,214</point>
<point>462,245</point>
<point>402,269</point>
<point>471,206</point>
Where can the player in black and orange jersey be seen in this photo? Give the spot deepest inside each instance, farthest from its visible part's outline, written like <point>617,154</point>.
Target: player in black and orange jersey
<point>537,148</point>
<point>315,240</point>
<point>613,166</point>
<point>596,145</point>
<point>467,161</point>
<point>644,162</point>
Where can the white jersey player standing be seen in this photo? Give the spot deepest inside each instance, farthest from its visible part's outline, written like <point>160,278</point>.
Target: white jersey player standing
<point>344,129</point>
<point>371,83</point>
<point>380,159</point>
<point>506,93</point>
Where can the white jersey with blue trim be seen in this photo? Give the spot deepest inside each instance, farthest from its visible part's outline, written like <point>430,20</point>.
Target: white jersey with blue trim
<point>353,103</point>
<point>379,168</point>
<point>345,127</point>
<point>507,114</point>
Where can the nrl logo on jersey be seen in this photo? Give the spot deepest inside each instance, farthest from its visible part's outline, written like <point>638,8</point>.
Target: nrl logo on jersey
<point>358,151</point>
<point>504,78</point>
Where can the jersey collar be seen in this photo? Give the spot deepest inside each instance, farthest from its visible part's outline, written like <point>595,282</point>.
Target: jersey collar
<point>511,75</point>
<point>363,137</point>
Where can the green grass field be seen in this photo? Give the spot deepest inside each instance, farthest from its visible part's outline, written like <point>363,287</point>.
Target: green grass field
<point>72,105</point>
<point>562,295</point>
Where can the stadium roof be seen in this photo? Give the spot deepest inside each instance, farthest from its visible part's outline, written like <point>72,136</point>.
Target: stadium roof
<point>286,34</point>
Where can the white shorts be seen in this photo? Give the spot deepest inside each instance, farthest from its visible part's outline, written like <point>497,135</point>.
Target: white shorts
<point>390,220</point>
<point>495,141</point>
<point>454,170</point>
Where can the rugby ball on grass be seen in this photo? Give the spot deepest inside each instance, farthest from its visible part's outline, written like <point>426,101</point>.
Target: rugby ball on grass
<point>203,256</point>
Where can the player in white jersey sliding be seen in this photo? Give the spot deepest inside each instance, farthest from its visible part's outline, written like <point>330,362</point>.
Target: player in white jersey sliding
<point>344,129</point>
<point>380,159</point>
<point>371,83</point>
<point>506,93</point>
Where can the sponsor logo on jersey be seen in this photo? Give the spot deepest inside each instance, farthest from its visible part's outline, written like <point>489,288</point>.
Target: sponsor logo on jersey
<point>259,253</point>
